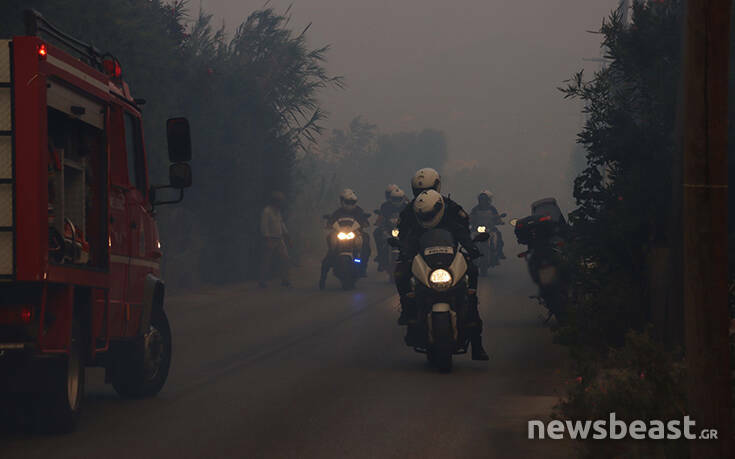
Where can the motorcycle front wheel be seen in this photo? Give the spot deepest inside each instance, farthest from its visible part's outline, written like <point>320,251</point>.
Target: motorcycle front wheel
<point>443,337</point>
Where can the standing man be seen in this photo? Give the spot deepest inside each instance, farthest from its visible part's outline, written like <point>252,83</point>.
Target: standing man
<point>274,231</point>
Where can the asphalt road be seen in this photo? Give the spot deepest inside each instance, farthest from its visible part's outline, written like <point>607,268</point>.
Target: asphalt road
<point>303,373</point>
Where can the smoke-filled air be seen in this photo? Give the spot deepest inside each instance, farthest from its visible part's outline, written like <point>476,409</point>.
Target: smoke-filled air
<point>367,228</point>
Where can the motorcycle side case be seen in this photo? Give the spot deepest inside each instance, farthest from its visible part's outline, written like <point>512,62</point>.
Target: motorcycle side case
<point>532,228</point>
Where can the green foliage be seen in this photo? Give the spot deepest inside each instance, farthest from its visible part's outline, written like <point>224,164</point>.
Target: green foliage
<point>623,194</point>
<point>622,219</point>
<point>640,380</point>
<point>251,101</point>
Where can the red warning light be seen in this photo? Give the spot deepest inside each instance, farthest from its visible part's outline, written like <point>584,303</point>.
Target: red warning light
<point>42,51</point>
<point>112,68</point>
<point>16,314</point>
<point>26,314</point>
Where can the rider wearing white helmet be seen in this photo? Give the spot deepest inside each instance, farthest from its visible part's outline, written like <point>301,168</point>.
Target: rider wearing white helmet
<point>432,210</point>
<point>429,208</point>
<point>348,208</point>
<point>425,179</point>
<point>484,204</point>
<point>429,179</point>
<point>389,189</point>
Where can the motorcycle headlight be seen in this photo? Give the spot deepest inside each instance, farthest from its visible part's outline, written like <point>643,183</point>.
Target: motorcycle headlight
<point>481,229</point>
<point>344,236</point>
<point>395,233</point>
<point>440,279</point>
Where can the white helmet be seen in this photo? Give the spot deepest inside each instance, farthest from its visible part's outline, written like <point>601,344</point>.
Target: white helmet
<point>487,194</point>
<point>429,208</point>
<point>425,179</point>
<point>348,198</point>
<point>389,189</point>
<point>397,196</point>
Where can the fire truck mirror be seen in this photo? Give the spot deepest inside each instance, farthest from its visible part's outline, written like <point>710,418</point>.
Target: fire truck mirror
<point>180,175</point>
<point>179,140</point>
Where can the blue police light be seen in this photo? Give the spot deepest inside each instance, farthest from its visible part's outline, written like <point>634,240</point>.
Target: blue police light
<point>357,260</point>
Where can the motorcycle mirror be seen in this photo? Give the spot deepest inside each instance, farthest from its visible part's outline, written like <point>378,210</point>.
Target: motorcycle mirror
<point>393,242</point>
<point>481,237</point>
<point>513,222</point>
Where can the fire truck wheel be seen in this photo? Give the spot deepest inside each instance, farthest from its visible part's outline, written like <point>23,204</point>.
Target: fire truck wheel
<point>57,408</point>
<point>143,367</point>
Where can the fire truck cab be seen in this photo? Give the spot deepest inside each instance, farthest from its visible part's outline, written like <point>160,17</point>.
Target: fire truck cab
<point>79,248</point>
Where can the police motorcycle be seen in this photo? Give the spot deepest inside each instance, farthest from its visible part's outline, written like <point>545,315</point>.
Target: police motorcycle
<point>485,221</point>
<point>387,254</point>
<point>439,280</point>
<point>345,245</point>
<point>387,227</point>
<point>543,233</point>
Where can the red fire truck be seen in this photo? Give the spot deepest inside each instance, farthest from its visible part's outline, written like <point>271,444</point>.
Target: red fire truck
<point>79,247</point>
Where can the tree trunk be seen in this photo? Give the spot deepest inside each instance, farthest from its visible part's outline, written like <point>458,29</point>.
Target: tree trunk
<point>705,222</point>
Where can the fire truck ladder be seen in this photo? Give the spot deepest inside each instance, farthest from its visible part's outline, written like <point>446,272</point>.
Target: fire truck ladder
<point>7,168</point>
<point>37,25</point>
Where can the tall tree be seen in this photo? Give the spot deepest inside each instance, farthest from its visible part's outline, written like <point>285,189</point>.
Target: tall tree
<point>252,102</point>
<point>624,193</point>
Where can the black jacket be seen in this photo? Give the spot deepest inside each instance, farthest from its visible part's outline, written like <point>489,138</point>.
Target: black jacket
<point>455,220</point>
<point>479,208</point>
<point>388,210</point>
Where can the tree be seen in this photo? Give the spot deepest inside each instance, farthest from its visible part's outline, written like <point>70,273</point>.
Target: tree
<point>367,161</point>
<point>252,102</point>
<point>624,193</point>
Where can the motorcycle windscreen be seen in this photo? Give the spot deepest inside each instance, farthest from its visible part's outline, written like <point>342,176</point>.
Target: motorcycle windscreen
<point>438,248</point>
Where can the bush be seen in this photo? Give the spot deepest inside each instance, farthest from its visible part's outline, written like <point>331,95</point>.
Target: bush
<point>638,381</point>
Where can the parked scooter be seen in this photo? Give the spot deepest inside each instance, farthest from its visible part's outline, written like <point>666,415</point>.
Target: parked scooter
<point>543,233</point>
<point>487,222</point>
<point>345,246</point>
<point>440,288</point>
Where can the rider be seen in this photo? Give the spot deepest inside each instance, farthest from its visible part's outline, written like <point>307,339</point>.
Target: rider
<point>485,203</point>
<point>391,208</point>
<point>348,208</point>
<point>412,224</point>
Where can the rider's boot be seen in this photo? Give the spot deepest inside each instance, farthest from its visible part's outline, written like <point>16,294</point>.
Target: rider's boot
<point>408,311</point>
<point>323,276</point>
<point>478,352</point>
<point>474,326</point>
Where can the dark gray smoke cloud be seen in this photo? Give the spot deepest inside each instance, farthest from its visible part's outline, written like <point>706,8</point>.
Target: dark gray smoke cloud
<point>485,72</point>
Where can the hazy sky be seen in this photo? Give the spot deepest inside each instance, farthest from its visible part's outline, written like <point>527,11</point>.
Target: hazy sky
<point>483,71</point>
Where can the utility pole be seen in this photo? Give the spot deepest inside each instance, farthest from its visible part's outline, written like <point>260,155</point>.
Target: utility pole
<point>704,189</point>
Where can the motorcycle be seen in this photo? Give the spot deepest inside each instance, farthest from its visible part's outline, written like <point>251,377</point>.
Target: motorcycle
<point>485,221</point>
<point>345,246</point>
<point>440,290</point>
<point>387,255</point>
<point>542,233</point>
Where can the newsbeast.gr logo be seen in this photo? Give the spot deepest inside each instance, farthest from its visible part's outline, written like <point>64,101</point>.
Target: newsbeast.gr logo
<point>616,429</point>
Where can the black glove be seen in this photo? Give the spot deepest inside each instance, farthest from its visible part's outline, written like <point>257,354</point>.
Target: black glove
<point>473,252</point>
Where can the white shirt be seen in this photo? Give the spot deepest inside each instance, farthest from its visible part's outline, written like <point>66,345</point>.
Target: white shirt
<point>271,223</point>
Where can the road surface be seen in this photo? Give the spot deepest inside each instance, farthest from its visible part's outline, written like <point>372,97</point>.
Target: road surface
<point>303,373</point>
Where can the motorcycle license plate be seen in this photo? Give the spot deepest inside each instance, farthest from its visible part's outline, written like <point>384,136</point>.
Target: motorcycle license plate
<point>436,250</point>
<point>547,275</point>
